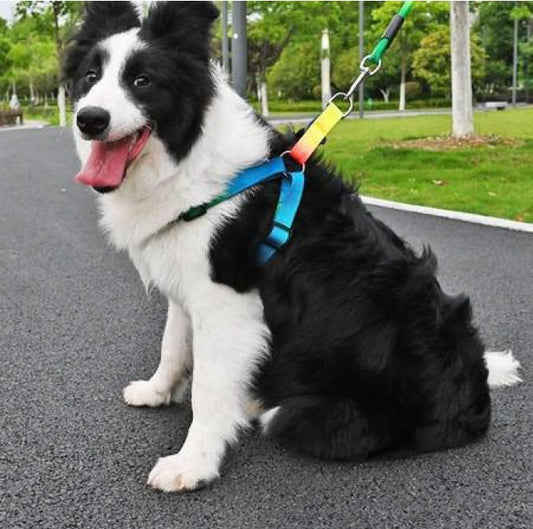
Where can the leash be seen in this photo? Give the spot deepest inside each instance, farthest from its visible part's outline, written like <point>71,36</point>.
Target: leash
<point>293,181</point>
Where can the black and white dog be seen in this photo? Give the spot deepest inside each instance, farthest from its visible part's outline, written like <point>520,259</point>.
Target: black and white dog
<point>341,346</point>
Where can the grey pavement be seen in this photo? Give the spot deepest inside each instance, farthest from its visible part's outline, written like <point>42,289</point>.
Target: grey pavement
<point>77,326</point>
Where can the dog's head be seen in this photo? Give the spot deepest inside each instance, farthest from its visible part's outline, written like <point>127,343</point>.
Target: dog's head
<point>130,79</point>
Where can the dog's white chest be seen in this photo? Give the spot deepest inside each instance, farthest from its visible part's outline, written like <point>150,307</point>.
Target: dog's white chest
<point>177,262</point>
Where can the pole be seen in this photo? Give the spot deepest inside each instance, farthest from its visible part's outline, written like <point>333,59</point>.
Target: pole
<point>515,59</point>
<point>361,55</point>
<point>238,48</point>
<point>225,43</point>
<point>325,70</point>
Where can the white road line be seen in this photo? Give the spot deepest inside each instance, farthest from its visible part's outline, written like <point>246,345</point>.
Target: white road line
<point>451,214</point>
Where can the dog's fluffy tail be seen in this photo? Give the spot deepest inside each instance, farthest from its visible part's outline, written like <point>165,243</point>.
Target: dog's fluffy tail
<point>503,368</point>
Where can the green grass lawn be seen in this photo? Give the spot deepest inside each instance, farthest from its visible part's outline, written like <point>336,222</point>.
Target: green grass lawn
<point>492,180</point>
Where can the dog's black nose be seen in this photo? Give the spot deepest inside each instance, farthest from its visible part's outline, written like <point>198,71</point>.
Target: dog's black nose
<point>93,121</point>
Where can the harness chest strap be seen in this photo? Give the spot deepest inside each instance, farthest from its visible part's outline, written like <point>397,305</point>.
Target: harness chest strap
<point>290,195</point>
<point>291,188</point>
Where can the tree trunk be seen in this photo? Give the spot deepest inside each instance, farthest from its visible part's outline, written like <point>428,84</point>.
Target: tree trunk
<point>385,94</point>
<point>264,99</point>
<point>325,70</point>
<point>32,92</point>
<point>462,111</point>
<point>401,106</point>
<point>62,106</point>
<point>59,45</point>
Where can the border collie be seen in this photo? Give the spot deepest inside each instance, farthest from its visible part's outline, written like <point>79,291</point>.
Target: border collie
<point>342,345</point>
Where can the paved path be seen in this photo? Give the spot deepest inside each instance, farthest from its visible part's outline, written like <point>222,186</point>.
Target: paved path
<point>28,125</point>
<point>304,117</point>
<point>77,326</point>
<point>369,114</point>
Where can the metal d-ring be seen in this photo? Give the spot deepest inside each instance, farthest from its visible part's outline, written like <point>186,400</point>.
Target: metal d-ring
<point>346,97</point>
<point>302,165</point>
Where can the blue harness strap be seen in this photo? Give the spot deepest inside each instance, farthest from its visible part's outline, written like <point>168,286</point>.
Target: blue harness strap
<point>255,175</point>
<point>290,194</point>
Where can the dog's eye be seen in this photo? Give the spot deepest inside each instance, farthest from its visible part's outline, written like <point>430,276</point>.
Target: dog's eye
<point>141,81</point>
<point>91,77</point>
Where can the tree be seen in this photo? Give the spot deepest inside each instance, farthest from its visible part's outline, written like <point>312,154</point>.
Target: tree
<point>3,26</point>
<point>495,29</point>
<point>345,68</point>
<point>432,62</point>
<point>462,111</point>
<point>522,14</point>
<point>273,25</point>
<point>53,20</point>
<point>296,78</point>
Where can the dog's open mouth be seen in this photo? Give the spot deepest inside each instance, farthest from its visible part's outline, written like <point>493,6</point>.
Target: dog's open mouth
<point>107,164</point>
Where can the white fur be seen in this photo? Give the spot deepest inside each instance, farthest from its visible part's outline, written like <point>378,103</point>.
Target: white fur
<point>503,368</point>
<point>176,361</point>
<point>229,335</point>
<point>266,418</point>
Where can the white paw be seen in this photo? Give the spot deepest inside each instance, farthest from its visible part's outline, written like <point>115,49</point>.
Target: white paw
<point>144,393</point>
<point>177,473</point>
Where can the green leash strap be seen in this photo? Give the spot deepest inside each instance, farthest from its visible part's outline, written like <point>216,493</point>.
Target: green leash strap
<point>388,36</point>
<point>375,57</point>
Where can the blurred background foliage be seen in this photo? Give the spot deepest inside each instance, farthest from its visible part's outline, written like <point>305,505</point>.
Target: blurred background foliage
<point>284,51</point>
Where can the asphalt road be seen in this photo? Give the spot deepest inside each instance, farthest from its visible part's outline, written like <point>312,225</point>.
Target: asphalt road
<point>77,326</point>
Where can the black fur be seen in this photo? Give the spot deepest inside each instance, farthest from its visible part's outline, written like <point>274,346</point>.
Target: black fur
<point>367,351</point>
<point>178,34</point>
<point>101,20</point>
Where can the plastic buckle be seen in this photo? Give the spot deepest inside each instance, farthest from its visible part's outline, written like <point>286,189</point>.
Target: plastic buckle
<point>275,244</point>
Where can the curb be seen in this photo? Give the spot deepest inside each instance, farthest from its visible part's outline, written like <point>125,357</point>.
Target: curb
<point>472,218</point>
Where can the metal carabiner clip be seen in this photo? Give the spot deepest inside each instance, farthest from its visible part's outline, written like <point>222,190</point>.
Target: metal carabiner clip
<point>365,72</point>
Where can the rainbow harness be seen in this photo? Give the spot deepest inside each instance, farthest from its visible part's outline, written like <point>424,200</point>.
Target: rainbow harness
<point>293,181</point>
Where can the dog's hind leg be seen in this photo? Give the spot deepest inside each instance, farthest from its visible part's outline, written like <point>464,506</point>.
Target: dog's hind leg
<point>170,380</point>
<point>327,427</point>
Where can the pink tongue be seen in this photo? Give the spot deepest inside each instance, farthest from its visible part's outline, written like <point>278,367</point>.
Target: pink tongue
<point>106,164</point>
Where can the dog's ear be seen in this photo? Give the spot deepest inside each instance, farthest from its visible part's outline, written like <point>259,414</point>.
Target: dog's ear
<point>185,24</point>
<point>100,20</point>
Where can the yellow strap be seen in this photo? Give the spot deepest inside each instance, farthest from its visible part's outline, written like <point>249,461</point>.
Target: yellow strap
<point>316,132</point>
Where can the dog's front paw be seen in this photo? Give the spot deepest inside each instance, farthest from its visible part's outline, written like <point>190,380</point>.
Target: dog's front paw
<point>145,393</point>
<point>177,473</point>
